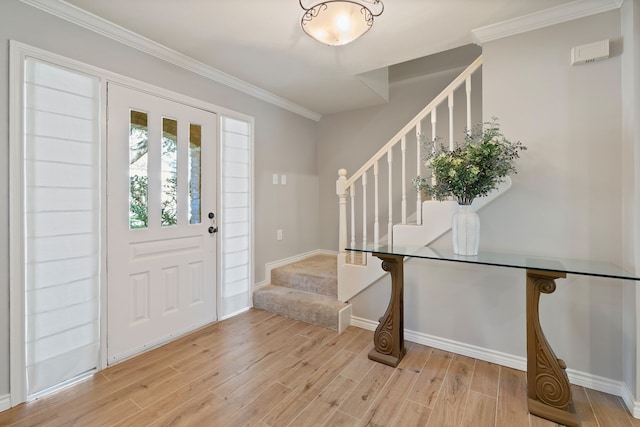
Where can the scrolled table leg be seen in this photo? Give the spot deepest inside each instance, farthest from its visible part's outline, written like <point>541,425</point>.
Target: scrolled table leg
<point>388,338</point>
<point>548,386</point>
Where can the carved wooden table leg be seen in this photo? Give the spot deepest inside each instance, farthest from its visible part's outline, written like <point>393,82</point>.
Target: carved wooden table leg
<point>388,339</point>
<point>547,382</point>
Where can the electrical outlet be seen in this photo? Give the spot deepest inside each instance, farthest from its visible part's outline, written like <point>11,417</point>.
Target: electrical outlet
<point>283,179</point>
<point>279,234</point>
<point>275,179</point>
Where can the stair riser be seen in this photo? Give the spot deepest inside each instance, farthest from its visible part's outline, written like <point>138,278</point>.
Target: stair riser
<point>309,308</point>
<point>308,283</point>
<point>316,274</point>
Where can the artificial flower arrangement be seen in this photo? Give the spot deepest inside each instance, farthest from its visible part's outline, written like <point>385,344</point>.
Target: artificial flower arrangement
<point>472,169</point>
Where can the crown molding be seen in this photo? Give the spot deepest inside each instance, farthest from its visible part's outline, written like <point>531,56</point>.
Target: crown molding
<point>544,18</point>
<point>71,13</point>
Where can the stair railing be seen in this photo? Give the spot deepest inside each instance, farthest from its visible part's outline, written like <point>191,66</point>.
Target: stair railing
<point>346,187</point>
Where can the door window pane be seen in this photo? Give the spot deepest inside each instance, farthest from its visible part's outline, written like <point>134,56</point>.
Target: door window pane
<point>169,172</point>
<point>138,170</point>
<point>195,135</point>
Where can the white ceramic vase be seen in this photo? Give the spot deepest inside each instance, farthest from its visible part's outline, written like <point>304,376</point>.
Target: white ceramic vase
<point>466,231</point>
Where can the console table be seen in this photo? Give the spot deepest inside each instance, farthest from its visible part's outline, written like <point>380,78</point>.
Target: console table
<point>549,393</point>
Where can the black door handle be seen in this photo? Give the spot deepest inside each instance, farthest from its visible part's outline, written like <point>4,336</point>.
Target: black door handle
<point>214,227</point>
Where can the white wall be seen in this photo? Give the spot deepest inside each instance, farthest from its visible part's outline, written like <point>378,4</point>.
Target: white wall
<point>285,143</point>
<point>566,201</point>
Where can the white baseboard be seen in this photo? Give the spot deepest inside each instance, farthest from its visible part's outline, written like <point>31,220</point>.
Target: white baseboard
<point>5,402</point>
<point>503,359</point>
<point>261,284</point>
<point>279,263</point>
<point>235,313</point>
<point>596,382</point>
<point>583,379</point>
<point>630,402</point>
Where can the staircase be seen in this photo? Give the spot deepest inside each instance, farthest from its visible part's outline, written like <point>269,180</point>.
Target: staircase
<point>367,214</point>
<point>306,290</point>
<point>316,289</point>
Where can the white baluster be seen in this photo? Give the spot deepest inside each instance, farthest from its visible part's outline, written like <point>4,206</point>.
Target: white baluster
<point>364,215</point>
<point>468,88</point>
<point>341,191</point>
<point>376,221</point>
<point>434,135</point>
<point>434,123</point>
<point>390,224</point>
<point>403,147</point>
<point>451,139</point>
<point>352,192</point>
<point>418,169</point>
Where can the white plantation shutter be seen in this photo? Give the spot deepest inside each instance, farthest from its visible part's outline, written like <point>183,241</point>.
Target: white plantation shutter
<point>62,224</point>
<point>235,219</point>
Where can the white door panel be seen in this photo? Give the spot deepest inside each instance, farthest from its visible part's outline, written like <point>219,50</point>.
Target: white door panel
<point>161,256</point>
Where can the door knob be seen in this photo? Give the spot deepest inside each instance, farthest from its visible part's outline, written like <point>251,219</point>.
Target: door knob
<point>213,229</point>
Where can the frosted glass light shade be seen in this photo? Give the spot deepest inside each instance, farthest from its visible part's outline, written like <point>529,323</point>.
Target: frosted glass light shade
<point>338,22</point>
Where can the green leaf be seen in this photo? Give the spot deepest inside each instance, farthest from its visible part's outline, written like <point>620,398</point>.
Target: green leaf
<point>472,169</point>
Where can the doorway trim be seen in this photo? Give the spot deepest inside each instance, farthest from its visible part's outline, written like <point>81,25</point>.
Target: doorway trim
<point>17,53</point>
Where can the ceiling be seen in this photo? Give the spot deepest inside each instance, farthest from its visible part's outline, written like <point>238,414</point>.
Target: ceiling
<point>261,42</point>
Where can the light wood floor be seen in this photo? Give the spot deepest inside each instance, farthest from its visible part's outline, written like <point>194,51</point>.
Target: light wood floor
<point>266,370</point>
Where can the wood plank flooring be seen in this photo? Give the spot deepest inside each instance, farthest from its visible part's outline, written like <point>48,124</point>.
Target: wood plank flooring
<point>265,370</point>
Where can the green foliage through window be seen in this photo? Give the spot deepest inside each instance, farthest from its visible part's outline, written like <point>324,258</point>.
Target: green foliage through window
<point>139,183</point>
<point>138,214</point>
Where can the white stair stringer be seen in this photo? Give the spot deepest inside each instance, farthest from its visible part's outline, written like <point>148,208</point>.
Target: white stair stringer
<point>353,278</point>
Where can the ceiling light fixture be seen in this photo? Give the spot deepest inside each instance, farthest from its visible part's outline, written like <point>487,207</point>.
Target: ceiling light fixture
<point>338,22</point>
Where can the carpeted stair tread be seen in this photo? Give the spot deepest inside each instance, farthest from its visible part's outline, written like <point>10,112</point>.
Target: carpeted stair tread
<point>301,305</point>
<point>316,274</point>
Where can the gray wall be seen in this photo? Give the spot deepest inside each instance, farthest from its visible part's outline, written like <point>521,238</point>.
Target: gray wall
<point>567,197</point>
<point>630,14</point>
<point>285,143</point>
<point>566,201</point>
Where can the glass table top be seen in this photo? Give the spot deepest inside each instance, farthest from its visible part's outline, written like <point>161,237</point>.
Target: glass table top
<point>569,266</point>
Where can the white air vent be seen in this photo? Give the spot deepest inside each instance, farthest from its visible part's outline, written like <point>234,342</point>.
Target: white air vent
<point>590,52</point>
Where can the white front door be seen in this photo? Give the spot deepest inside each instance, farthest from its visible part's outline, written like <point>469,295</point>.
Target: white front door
<point>161,183</point>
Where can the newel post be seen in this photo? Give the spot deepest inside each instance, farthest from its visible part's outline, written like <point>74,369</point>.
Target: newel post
<point>341,191</point>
